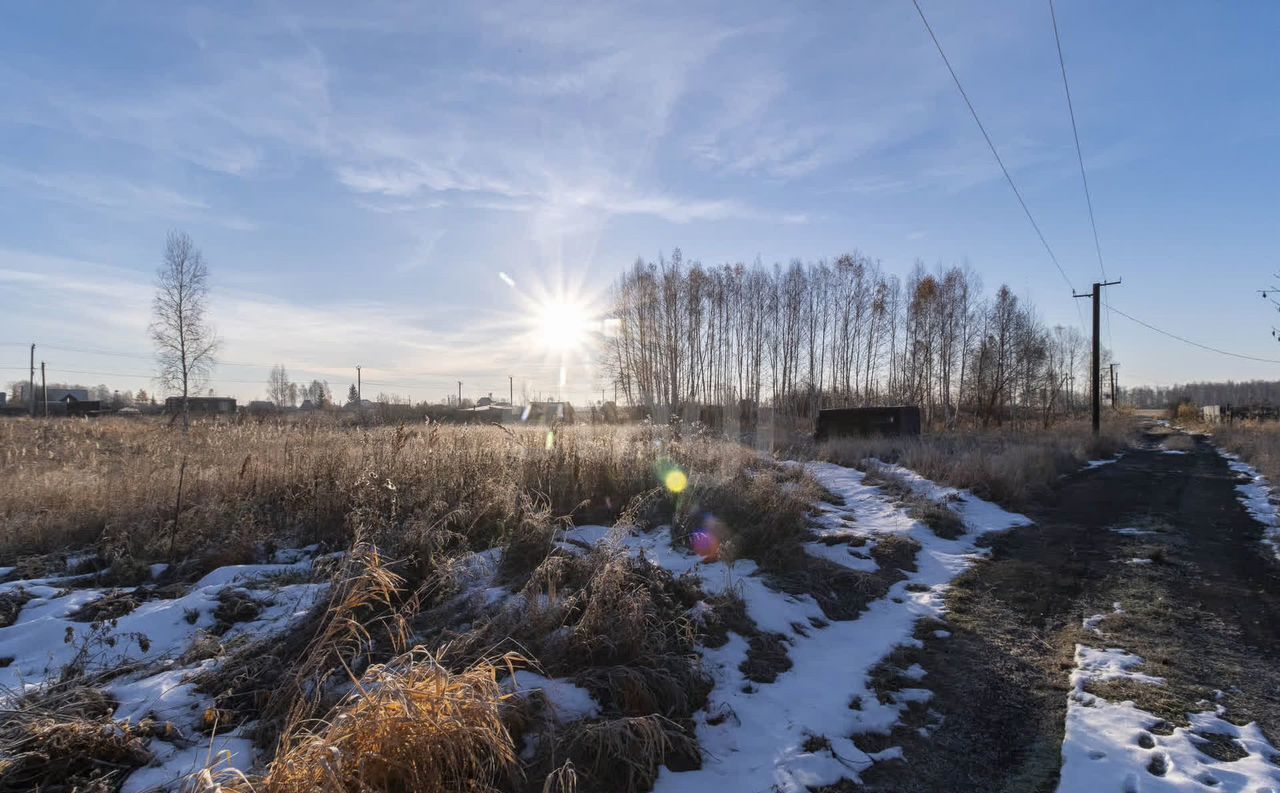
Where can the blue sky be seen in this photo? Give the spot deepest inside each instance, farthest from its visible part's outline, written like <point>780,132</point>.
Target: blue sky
<point>358,175</point>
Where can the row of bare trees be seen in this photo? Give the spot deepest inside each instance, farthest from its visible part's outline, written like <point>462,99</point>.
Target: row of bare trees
<point>1243,393</point>
<point>805,336</point>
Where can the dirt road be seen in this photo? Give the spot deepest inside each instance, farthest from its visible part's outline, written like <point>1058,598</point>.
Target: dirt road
<point>1161,534</point>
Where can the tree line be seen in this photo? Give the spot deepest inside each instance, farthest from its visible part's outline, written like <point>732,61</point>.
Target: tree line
<point>1246,393</point>
<point>804,336</point>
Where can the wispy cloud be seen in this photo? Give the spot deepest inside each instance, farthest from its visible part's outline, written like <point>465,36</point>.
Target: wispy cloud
<point>120,196</point>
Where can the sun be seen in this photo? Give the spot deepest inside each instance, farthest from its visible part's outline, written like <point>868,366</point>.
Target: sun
<point>561,326</point>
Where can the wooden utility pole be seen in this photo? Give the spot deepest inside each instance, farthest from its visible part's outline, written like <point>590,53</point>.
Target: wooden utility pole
<point>44,390</point>
<point>1096,364</point>
<point>31,384</point>
<point>459,395</point>
<point>1113,385</point>
<point>359,398</point>
<point>511,391</point>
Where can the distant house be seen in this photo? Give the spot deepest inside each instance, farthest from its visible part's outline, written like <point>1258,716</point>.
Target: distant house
<point>259,406</point>
<point>72,406</point>
<point>487,411</point>
<point>548,412</point>
<point>364,404</point>
<point>4,398</point>
<point>1212,414</point>
<point>61,394</point>
<point>205,405</point>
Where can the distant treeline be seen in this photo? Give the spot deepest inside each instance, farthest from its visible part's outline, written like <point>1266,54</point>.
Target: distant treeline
<point>1250,392</point>
<point>834,333</point>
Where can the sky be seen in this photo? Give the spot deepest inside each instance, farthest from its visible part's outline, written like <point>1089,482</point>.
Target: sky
<point>414,188</point>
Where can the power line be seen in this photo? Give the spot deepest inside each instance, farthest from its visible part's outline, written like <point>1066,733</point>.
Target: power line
<point>1189,341</point>
<point>996,154</point>
<point>1084,179</point>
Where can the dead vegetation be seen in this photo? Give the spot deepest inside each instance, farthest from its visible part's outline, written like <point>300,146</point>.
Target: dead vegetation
<point>399,680</point>
<point>112,485</point>
<point>1257,443</point>
<point>1008,467</point>
<point>410,724</point>
<point>62,738</point>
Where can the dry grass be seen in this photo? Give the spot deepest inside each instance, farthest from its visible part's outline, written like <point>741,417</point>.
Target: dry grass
<point>1257,444</point>
<point>62,738</point>
<point>344,703</point>
<point>114,484</point>
<point>412,724</point>
<point>1007,467</point>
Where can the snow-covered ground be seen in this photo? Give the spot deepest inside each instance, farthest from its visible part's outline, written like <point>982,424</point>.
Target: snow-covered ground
<point>1115,746</point>
<point>757,737</point>
<point>48,636</point>
<point>1256,495</point>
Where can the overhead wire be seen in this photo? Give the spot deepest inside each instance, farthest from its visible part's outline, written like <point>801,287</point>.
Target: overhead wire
<point>1084,179</point>
<point>995,153</point>
<point>1185,340</point>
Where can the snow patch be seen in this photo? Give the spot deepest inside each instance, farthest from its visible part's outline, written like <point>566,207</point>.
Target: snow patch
<point>1113,745</point>
<point>568,701</point>
<point>45,640</point>
<point>754,736</point>
<point>1255,495</point>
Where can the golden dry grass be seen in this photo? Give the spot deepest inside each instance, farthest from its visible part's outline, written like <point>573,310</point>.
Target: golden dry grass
<point>1007,466</point>
<point>114,483</point>
<point>411,725</point>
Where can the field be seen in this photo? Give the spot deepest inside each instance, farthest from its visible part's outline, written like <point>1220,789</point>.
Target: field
<point>288,607</point>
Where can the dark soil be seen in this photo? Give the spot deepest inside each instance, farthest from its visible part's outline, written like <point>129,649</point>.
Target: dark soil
<point>1205,614</point>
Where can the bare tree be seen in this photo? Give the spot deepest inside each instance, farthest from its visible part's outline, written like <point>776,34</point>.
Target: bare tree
<point>185,342</point>
<point>278,385</point>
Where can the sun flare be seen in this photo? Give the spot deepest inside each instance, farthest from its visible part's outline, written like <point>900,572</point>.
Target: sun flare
<point>561,326</point>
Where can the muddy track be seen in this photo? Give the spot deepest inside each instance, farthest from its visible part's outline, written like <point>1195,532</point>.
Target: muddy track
<point>1204,610</point>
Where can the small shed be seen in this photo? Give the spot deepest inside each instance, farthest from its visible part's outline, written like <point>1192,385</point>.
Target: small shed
<point>173,405</point>
<point>863,422</point>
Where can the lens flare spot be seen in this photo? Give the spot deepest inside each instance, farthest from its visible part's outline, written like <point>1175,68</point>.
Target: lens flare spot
<point>675,480</point>
<point>705,544</point>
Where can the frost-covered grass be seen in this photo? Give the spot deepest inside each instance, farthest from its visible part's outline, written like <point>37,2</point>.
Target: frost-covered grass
<point>1006,466</point>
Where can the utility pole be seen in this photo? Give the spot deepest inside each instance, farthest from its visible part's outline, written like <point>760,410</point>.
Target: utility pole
<point>1096,364</point>
<point>511,391</point>
<point>31,384</point>
<point>1113,385</point>
<point>44,390</point>
<point>459,395</point>
<point>359,398</point>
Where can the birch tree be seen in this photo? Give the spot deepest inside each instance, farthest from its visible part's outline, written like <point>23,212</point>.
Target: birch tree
<point>185,343</point>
